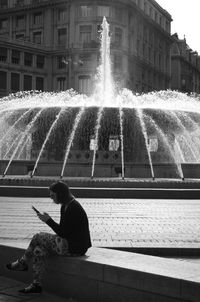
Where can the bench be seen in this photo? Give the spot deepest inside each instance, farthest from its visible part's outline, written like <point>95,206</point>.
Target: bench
<point>106,275</point>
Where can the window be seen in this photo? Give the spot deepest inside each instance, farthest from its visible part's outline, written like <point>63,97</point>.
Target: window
<point>61,62</point>
<point>3,80</point>
<point>37,37</point>
<point>118,36</point>
<point>19,3</point>
<point>37,19</point>
<point>20,36</point>
<point>27,82</point>
<point>39,83</point>
<point>4,3</point>
<point>167,26</point>
<point>149,53</point>
<point>3,24</point>
<point>62,15</point>
<point>61,83</point>
<point>156,16</point>
<point>145,31</point>
<point>3,54</point>
<point>85,11</point>
<point>15,59</point>
<point>15,80</point>
<point>103,11</point>
<point>143,49</point>
<point>138,46</point>
<point>151,12</point>
<point>62,36</point>
<point>20,21</point>
<point>40,60</point>
<point>159,61</point>
<point>117,62</point>
<point>118,14</point>
<point>160,21</point>
<point>155,57</point>
<point>85,33</point>
<point>28,59</point>
<point>84,84</point>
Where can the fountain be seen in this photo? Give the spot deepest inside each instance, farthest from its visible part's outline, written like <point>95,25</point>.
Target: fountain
<point>108,135</point>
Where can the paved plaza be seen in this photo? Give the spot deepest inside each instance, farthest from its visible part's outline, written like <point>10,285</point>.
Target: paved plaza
<point>125,223</point>
<point>122,223</point>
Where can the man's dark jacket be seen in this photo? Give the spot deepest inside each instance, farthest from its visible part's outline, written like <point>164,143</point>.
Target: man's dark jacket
<point>74,227</point>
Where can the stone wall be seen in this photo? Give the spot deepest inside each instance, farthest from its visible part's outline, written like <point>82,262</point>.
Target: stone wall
<point>105,275</point>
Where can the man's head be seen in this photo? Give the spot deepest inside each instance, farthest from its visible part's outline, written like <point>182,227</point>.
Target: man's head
<point>60,192</point>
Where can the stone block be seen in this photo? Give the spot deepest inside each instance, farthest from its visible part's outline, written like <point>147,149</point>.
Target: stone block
<point>142,281</point>
<point>80,288</point>
<point>190,290</point>
<point>109,275</point>
<point>115,293</point>
<point>78,266</point>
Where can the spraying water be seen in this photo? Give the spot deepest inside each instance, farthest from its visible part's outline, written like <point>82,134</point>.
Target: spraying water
<point>190,152</point>
<point>122,139</point>
<point>179,151</point>
<point>12,145</point>
<point>178,114</point>
<point>76,123</point>
<point>105,88</point>
<point>26,146</point>
<point>30,125</point>
<point>97,127</point>
<point>46,139</point>
<point>144,131</point>
<point>167,144</point>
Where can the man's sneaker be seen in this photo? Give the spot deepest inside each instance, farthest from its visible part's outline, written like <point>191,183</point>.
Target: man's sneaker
<point>18,265</point>
<point>33,288</point>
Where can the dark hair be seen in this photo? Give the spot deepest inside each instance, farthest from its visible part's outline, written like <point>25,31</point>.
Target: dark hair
<point>62,191</point>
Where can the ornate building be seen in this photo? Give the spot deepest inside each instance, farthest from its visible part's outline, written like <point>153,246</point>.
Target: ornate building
<point>185,67</point>
<point>54,44</point>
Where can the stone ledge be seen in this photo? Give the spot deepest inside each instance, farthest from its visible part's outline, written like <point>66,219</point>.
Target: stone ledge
<point>110,275</point>
<point>104,192</point>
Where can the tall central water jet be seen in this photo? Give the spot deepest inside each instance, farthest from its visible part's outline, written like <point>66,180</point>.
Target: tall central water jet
<point>100,135</point>
<point>104,87</point>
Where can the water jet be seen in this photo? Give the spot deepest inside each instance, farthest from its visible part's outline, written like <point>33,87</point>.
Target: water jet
<point>111,134</point>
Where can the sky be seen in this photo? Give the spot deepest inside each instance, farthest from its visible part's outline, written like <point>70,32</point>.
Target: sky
<point>186,20</point>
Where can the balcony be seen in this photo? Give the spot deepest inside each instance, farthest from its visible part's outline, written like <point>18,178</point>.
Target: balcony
<point>85,45</point>
<point>91,44</point>
<point>25,43</point>
<point>19,4</point>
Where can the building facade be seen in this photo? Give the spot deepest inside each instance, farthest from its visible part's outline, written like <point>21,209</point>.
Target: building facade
<point>185,67</point>
<point>53,45</point>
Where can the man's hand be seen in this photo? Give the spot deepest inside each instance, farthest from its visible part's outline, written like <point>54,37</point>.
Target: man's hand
<point>44,217</point>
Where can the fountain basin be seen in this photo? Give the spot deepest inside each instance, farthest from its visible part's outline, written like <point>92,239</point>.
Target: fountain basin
<point>85,187</point>
<point>112,133</point>
<point>79,165</point>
